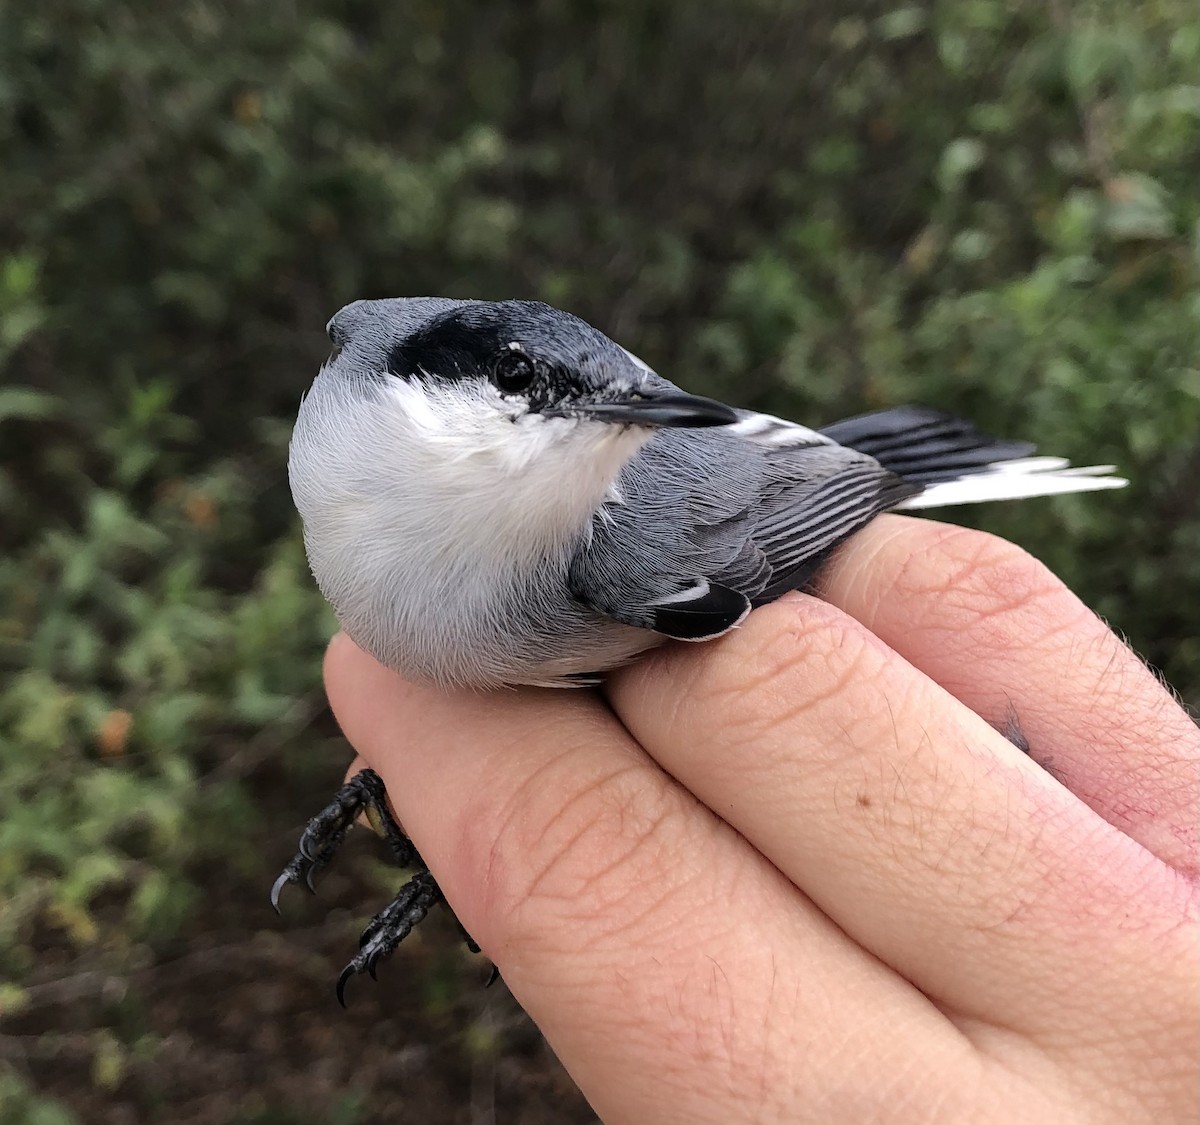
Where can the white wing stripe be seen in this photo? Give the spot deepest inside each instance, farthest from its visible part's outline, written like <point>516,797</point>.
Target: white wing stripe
<point>688,594</point>
<point>766,429</point>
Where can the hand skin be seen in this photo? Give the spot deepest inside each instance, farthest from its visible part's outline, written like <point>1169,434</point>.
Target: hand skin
<point>796,875</point>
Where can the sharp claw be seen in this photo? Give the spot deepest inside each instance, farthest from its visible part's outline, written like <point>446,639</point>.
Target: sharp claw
<point>320,841</point>
<point>493,976</point>
<point>278,886</point>
<point>345,975</point>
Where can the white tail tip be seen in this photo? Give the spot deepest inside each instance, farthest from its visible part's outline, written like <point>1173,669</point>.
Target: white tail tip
<point>1017,480</point>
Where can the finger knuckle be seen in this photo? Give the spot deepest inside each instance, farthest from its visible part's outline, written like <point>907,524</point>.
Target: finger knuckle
<point>979,577</point>
<point>792,658</point>
<point>576,849</point>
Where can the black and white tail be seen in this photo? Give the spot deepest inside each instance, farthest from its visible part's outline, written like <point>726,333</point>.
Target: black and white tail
<point>959,465</point>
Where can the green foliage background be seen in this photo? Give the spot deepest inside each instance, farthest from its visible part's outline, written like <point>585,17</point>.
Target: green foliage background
<point>811,208</point>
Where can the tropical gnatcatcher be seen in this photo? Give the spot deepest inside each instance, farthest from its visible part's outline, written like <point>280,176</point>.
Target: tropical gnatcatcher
<point>497,493</point>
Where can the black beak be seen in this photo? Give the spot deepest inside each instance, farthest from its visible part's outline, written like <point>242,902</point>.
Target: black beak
<point>652,408</point>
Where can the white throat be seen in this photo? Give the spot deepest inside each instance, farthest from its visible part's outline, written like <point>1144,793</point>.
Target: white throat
<point>459,463</point>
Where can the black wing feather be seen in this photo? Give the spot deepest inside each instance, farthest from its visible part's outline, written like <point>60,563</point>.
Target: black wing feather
<point>924,445</point>
<point>808,527</point>
<point>717,611</point>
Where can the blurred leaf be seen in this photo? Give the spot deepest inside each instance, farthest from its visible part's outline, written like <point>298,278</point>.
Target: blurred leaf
<point>26,404</point>
<point>959,159</point>
<point>1138,209</point>
<point>902,23</point>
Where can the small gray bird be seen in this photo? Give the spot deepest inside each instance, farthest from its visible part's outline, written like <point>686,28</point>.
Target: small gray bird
<point>497,493</point>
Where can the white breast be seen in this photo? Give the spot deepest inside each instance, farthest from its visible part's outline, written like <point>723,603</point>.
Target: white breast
<point>436,514</point>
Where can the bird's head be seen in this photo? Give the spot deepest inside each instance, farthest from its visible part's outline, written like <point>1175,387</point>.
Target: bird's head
<point>450,453</point>
<point>466,365</point>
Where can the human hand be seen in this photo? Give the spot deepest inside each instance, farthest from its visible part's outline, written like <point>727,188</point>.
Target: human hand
<point>795,875</point>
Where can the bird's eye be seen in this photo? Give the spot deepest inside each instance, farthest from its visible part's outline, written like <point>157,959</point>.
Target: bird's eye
<point>514,372</point>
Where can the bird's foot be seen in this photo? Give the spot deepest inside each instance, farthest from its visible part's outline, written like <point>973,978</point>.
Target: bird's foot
<point>364,794</point>
<point>323,835</point>
<point>390,927</point>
